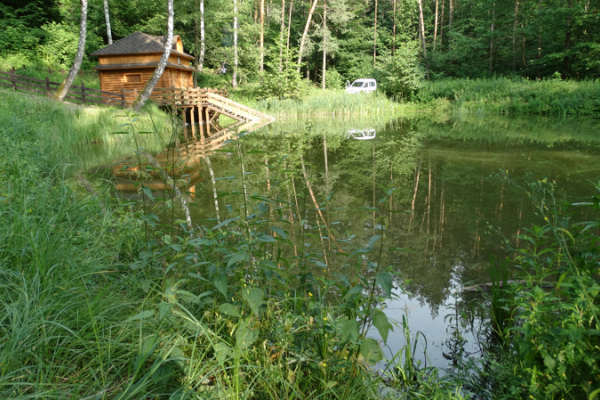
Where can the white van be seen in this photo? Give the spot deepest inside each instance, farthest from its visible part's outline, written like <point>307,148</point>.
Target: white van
<point>362,86</point>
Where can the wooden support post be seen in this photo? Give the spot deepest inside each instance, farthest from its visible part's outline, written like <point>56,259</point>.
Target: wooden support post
<point>201,123</point>
<point>14,79</point>
<point>124,102</point>
<point>185,133</point>
<point>83,92</point>
<point>207,122</point>
<point>193,121</point>
<point>135,94</point>
<point>48,86</point>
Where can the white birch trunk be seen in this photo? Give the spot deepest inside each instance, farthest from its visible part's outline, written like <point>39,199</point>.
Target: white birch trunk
<point>422,31</point>
<point>202,38</point>
<point>235,45</point>
<point>324,42</point>
<point>375,39</point>
<point>262,36</point>
<point>214,186</point>
<point>305,33</point>
<point>62,91</point>
<point>162,63</point>
<point>107,18</point>
<point>281,35</point>
<point>435,28</point>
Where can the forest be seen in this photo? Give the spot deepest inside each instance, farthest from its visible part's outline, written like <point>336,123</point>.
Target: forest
<point>397,42</point>
<point>438,238</point>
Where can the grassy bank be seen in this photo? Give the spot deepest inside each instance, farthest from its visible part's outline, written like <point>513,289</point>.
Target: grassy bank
<point>102,300</point>
<point>516,96</point>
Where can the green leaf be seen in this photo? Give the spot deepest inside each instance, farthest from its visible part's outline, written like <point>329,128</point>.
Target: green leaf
<point>222,351</point>
<point>254,298</point>
<point>371,351</point>
<point>141,315</point>
<point>148,193</point>
<point>245,336</point>
<point>384,279</point>
<point>221,285</point>
<point>162,374</point>
<point>349,329</point>
<point>263,237</point>
<point>374,240</point>
<point>380,321</point>
<point>354,290</point>
<point>229,309</point>
<point>279,231</point>
<point>237,257</point>
<point>177,357</point>
<point>224,223</point>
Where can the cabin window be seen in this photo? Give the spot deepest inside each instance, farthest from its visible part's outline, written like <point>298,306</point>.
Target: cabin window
<point>178,60</point>
<point>133,78</point>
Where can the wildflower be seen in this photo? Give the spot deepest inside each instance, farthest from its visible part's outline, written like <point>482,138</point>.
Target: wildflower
<point>325,319</point>
<point>310,294</point>
<point>324,365</point>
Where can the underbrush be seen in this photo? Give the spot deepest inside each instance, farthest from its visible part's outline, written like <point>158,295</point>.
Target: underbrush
<point>104,300</point>
<point>543,308</point>
<point>315,102</point>
<point>516,96</point>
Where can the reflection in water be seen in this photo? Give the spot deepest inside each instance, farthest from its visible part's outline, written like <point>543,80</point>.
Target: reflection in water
<point>446,196</point>
<point>362,134</point>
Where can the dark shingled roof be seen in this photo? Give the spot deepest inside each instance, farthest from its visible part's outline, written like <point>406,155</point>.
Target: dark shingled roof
<point>138,42</point>
<point>141,65</point>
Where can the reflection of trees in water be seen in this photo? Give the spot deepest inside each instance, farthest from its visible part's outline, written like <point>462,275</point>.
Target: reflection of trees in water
<point>449,181</point>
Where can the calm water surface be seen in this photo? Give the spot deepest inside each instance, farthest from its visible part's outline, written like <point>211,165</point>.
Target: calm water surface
<point>444,171</point>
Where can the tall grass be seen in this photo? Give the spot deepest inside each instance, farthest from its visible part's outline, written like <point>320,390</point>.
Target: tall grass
<point>517,96</point>
<point>323,103</point>
<point>102,302</point>
<point>81,136</point>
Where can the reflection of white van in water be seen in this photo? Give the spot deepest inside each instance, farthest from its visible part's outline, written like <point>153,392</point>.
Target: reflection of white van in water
<point>362,86</point>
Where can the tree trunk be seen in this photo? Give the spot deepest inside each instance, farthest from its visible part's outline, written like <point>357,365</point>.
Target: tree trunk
<point>214,186</point>
<point>305,33</point>
<point>394,31</point>
<point>66,85</point>
<point>450,15</point>
<point>162,63</point>
<point>289,26</point>
<point>442,25</point>
<point>492,38</point>
<point>566,61</point>
<point>235,45</point>
<point>107,18</point>
<point>262,36</point>
<point>324,41</point>
<point>202,38</point>
<point>435,28</point>
<point>422,30</point>
<point>375,39</point>
<point>514,44</point>
<point>281,35</point>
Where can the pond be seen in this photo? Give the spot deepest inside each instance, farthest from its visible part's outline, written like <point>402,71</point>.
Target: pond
<point>445,219</point>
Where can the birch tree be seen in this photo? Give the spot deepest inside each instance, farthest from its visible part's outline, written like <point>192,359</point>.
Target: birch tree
<point>375,39</point>
<point>262,36</point>
<point>63,89</point>
<point>281,35</point>
<point>235,45</point>
<point>422,32</point>
<point>305,33</point>
<point>162,63</point>
<point>107,18</point>
<point>202,38</point>
<point>324,41</point>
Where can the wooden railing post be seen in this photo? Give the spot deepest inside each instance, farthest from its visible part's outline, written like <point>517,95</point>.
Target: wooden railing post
<point>14,79</point>
<point>123,101</point>
<point>83,92</point>
<point>48,86</point>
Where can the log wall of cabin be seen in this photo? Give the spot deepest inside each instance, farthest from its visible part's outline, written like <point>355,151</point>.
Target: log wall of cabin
<point>143,59</point>
<point>115,80</point>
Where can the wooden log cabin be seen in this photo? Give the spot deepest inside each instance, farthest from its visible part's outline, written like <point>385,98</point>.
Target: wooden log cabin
<point>130,62</point>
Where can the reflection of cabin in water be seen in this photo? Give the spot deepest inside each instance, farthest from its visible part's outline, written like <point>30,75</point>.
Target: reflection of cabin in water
<point>130,62</point>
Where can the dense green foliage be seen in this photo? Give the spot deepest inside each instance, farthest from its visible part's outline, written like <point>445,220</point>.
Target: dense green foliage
<point>549,337</point>
<point>107,301</point>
